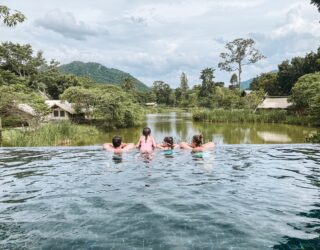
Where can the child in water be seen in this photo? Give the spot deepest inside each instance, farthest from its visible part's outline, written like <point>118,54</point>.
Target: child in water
<point>168,144</point>
<point>146,143</point>
<point>197,144</point>
<point>117,146</point>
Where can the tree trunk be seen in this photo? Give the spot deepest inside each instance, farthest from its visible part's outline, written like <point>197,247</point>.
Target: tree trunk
<point>239,75</point>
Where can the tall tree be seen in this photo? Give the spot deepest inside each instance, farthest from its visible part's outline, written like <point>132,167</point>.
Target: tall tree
<point>316,3</point>
<point>11,19</point>
<point>241,52</point>
<point>233,80</point>
<point>184,82</point>
<point>207,76</point>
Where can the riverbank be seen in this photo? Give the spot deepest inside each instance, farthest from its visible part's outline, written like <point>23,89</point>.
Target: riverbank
<point>249,116</point>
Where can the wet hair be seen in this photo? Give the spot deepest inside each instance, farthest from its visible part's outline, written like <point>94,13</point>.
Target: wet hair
<point>197,139</point>
<point>169,141</point>
<point>146,132</point>
<point>116,141</point>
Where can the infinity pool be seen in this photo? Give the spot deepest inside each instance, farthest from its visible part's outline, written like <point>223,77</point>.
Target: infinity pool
<point>234,197</point>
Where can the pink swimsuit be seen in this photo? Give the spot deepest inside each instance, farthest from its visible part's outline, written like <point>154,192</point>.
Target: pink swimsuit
<point>147,146</point>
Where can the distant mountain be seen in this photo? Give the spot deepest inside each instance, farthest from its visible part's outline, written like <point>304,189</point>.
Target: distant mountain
<point>246,84</point>
<point>100,73</point>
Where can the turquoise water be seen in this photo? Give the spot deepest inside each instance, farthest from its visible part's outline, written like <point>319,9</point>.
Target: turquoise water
<point>234,197</point>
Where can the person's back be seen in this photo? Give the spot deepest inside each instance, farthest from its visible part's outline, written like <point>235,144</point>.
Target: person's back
<point>146,142</point>
<point>117,146</point>
<point>196,144</point>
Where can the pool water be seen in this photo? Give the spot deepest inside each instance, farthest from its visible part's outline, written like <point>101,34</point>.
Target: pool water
<point>233,197</point>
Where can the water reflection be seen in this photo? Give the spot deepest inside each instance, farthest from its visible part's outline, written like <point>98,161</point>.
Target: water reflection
<point>274,137</point>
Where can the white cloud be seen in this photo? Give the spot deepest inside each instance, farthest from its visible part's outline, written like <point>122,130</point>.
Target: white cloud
<point>67,25</point>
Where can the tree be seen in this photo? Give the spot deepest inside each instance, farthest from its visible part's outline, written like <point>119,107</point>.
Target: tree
<point>316,3</point>
<point>109,106</point>
<point>233,81</point>
<point>127,85</point>
<point>19,59</point>
<point>268,82</point>
<point>10,19</point>
<point>305,93</point>
<point>184,83</point>
<point>241,52</point>
<point>162,92</point>
<point>207,76</point>
<point>290,71</point>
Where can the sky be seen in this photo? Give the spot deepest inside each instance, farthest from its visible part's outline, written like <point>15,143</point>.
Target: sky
<point>158,40</point>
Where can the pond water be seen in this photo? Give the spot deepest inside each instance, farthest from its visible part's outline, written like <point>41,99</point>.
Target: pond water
<point>182,128</point>
<point>245,196</point>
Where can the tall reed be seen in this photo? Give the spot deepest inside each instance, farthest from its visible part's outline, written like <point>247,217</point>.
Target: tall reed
<point>247,116</point>
<point>52,134</point>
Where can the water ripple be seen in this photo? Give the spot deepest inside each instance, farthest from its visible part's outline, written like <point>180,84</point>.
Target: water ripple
<point>241,197</point>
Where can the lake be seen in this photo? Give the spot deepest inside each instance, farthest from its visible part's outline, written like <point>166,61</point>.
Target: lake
<point>247,196</point>
<point>182,128</point>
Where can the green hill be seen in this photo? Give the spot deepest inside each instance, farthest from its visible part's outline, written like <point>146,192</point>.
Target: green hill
<point>100,73</point>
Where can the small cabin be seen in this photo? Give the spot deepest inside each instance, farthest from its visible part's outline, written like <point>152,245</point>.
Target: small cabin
<point>62,110</point>
<point>275,103</point>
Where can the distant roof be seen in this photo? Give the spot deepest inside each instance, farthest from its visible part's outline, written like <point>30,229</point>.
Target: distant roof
<point>65,105</point>
<point>26,108</point>
<point>274,103</point>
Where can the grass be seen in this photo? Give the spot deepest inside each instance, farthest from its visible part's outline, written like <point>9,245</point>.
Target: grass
<point>163,109</point>
<point>52,134</point>
<point>247,116</point>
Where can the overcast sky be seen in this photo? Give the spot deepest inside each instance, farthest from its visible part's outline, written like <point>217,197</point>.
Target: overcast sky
<point>157,40</point>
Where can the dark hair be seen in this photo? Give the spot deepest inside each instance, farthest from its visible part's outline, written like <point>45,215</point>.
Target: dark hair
<point>146,132</point>
<point>197,139</point>
<point>116,141</point>
<point>169,140</point>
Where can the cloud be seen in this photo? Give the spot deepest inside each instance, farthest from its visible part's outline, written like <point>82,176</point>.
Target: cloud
<point>67,25</point>
<point>157,40</point>
<point>295,36</point>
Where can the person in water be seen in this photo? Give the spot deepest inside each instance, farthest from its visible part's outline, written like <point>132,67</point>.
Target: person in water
<point>168,144</point>
<point>146,143</point>
<point>117,146</point>
<point>197,144</point>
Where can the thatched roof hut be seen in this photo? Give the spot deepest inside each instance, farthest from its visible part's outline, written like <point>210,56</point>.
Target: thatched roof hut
<point>274,103</point>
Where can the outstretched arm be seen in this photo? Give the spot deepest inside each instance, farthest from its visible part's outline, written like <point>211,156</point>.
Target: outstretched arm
<point>107,146</point>
<point>160,146</point>
<point>128,147</point>
<point>208,145</point>
<point>185,145</point>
